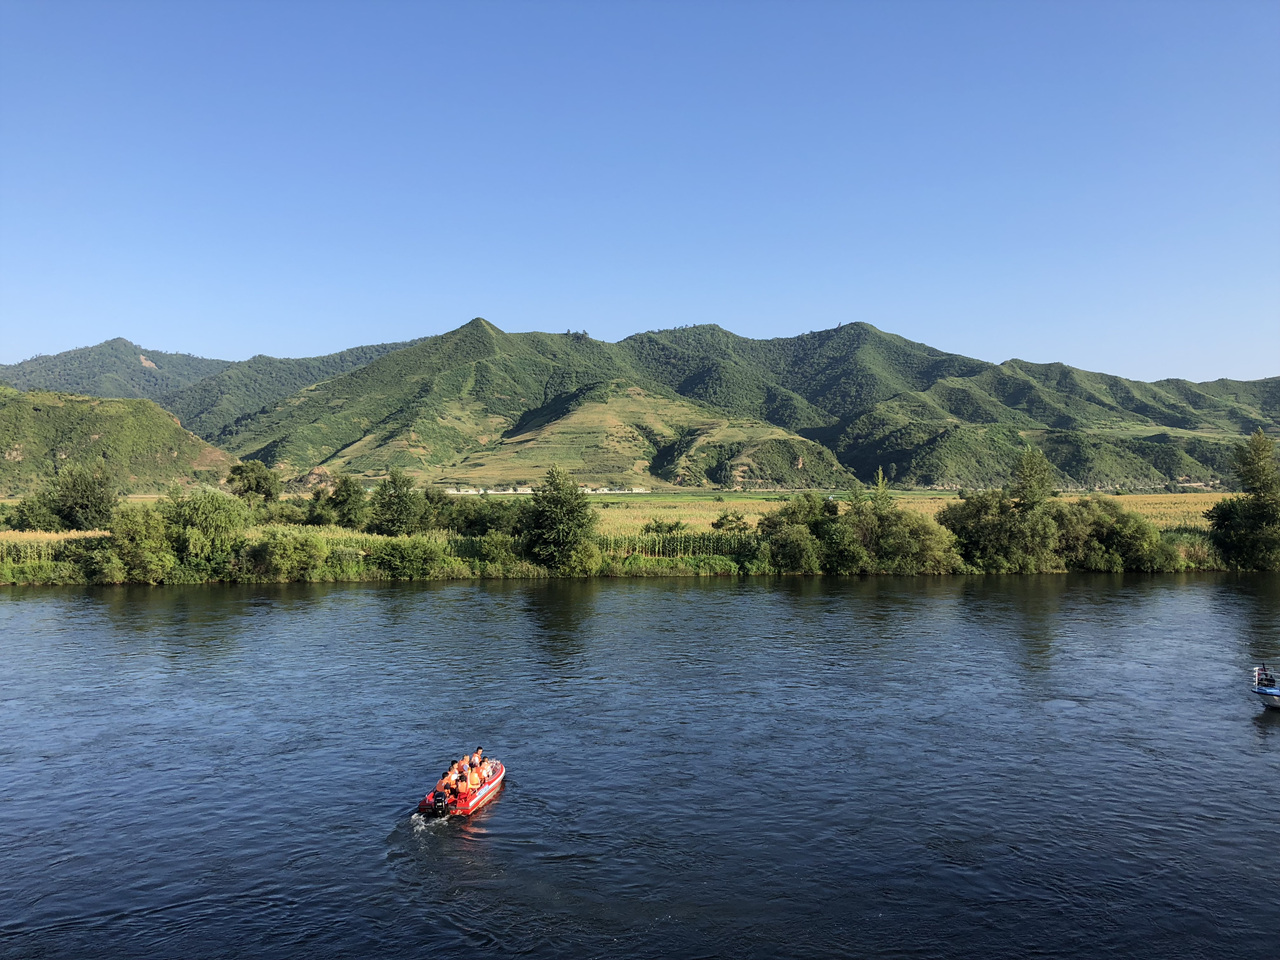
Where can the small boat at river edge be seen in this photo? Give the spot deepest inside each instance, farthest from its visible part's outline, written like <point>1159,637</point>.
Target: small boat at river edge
<point>1264,685</point>
<point>441,806</point>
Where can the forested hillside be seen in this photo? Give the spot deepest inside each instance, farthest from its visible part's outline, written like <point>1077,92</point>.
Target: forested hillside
<point>481,406</point>
<point>694,406</point>
<point>138,444</point>
<point>116,368</point>
<point>211,407</point>
<point>936,419</point>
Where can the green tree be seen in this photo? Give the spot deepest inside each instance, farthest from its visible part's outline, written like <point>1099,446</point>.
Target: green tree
<point>254,478</point>
<point>320,512</point>
<point>287,555</point>
<point>795,549</point>
<point>396,508</point>
<point>1032,479</point>
<point>730,522</point>
<point>996,535</point>
<point>558,523</point>
<point>349,502</point>
<point>140,539</point>
<point>206,528</point>
<point>658,525</point>
<point>76,499</point>
<point>35,513</point>
<point>1246,529</point>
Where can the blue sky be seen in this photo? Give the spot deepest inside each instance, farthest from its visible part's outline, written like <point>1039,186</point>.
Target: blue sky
<point>1096,183</point>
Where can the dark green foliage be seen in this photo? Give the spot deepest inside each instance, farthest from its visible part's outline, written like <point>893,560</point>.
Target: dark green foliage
<point>730,521</point>
<point>1098,534</point>
<point>320,511</point>
<point>1246,529</point>
<point>292,512</point>
<point>408,558</point>
<point>795,549</point>
<point>995,536</point>
<point>396,508</point>
<point>658,525</point>
<point>132,441</point>
<point>1032,479</point>
<point>76,499</point>
<point>349,502</point>
<point>477,516</point>
<point>1023,530</point>
<point>867,534</point>
<point>557,523</point>
<point>253,478</point>
<point>140,538</point>
<point>286,555</point>
<point>205,530</point>
<point>35,512</point>
<point>116,368</point>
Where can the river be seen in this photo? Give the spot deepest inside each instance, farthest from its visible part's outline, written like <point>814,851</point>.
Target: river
<point>1065,766</point>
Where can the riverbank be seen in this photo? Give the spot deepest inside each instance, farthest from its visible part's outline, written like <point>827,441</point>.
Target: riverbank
<point>286,553</point>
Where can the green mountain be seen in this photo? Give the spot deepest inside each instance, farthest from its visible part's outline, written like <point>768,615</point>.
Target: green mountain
<point>137,442</point>
<point>479,406</point>
<point>702,406</point>
<point>116,368</point>
<point>207,395</point>
<point>937,419</point>
<point>211,407</point>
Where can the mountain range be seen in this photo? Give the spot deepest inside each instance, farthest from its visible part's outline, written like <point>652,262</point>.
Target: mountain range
<point>693,406</point>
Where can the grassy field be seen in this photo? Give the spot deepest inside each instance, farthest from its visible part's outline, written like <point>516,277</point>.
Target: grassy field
<point>626,515</point>
<point>36,536</point>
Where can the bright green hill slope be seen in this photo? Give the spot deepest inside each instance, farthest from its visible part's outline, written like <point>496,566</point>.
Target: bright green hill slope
<point>621,435</point>
<point>428,404</point>
<point>116,368</point>
<point>137,442</point>
<point>465,403</point>
<point>934,418</point>
<point>211,407</point>
<point>481,406</point>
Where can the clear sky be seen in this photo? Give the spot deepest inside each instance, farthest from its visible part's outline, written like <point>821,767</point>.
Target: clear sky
<point>1091,182</point>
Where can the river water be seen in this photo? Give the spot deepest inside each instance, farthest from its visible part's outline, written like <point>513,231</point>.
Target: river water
<point>1063,766</point>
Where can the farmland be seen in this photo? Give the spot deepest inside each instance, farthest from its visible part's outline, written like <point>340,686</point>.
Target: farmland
<point>620,516</point>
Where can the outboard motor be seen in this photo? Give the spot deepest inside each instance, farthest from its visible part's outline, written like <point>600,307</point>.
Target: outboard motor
<point>440,805</point>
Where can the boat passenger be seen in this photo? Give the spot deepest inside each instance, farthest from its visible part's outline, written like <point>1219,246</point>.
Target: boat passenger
<point>451,787</point>
<point>445,783</point>
<point>473,777</point>
<point>463,783</point>
<point>477,758</point>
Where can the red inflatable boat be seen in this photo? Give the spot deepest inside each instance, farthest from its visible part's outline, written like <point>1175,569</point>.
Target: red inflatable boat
<point>468,804</point>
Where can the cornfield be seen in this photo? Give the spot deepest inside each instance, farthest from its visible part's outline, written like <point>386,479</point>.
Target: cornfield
<point>673,545</point>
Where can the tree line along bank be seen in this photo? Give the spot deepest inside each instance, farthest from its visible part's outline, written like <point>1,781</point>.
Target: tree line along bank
<point>399,531</point>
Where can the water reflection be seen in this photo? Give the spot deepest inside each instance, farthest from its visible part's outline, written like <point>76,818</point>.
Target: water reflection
<point>558,611</point>
<point>1267,723</point>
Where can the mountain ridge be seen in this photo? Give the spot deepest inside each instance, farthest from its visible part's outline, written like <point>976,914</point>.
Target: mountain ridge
<point>447,405</point>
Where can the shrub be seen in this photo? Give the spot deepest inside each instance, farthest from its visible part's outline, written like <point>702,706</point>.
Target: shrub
<point>140,539</point>
<point>407,558</point>
<point>286,555</point>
